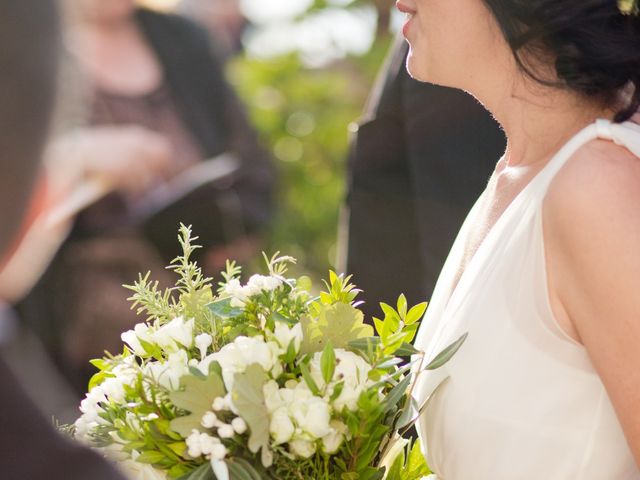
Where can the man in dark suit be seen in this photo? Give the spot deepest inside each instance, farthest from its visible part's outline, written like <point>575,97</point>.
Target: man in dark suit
<point>30,449</point>
<point>420,158</point>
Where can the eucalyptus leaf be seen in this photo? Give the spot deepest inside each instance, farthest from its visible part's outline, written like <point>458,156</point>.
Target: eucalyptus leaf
<point>406,350</point>
<point>444,356</point>
<point>396,393</point>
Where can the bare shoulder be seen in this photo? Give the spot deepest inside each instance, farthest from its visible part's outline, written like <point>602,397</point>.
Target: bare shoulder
<point>601,180</point>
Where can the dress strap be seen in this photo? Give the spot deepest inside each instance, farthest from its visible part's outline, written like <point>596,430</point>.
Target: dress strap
<point>625,134</point>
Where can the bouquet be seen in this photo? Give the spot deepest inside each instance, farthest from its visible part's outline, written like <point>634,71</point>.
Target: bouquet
<point>257,381</point>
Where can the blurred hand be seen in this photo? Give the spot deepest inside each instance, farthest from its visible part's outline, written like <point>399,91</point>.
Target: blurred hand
<point>130,158</point>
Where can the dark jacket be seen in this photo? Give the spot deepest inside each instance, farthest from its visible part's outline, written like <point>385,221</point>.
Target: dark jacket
<point>419,159</point>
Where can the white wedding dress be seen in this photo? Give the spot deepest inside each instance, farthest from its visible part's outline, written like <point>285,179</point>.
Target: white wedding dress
<point>522,401</point>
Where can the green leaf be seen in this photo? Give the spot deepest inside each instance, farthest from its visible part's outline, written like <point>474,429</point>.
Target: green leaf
<point>444,356</point>
<point>339,324</point>
<point>406,350</point>
<point>328,363</point>
<point>402,306</point>
<point>337,390</point>
<point>99,363</point>
<point>416,313</point>
<point>248,398</point>
<point>416,465</point>
<point>223,309</point>
<point>196,397</point>
<point>203,472</point>
<point>240,469</point>
<point>396,393</point>
<point>397,466</point>
<point>306,375</point>
<point>151,456</point>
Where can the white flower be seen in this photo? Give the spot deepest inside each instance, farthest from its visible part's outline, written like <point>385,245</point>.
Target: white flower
<point>168,373</point>
<point>236,292</point>
<point>260,283</point>
<point>220,469</point>
<point>226,431</point>
<point>239,425</point>
<point>193,444</point>
<point>177,331</point>
<point>285,335</point>
<point>203,341</point>
<point>140,471</point>
<point>218,404</point>
<point>272,398</point>
<point>310,414</point>
<point>131,339</point>
<point>332,441</point>
<point>244,351</point>
<point>125,373</point>
<point>203,444</point>
<point>281,427</point>
<point>351,369</point>
<point>302,448</point>
<point>209,420</point>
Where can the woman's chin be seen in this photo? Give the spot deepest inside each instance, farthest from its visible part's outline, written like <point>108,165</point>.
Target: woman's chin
<point>417,68</point>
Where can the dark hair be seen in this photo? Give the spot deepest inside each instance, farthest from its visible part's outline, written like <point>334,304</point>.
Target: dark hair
<point>595,47</point>
<point>28,60</point>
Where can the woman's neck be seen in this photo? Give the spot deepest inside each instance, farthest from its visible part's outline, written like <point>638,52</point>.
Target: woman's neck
<point>538,120</point>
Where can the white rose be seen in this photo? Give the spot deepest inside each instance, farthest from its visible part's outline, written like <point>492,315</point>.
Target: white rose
<point>281,427</point>
<point>311,414</point>
<point>332,441</point>
<point>272,398</point>
<point>302,448</point>
<point>285,335</point>
<point>177,331</point>
<point>169,373</point>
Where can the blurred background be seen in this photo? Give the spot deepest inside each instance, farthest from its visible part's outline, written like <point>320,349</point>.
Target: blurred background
<point>304,71</point>
<point>231,115</point>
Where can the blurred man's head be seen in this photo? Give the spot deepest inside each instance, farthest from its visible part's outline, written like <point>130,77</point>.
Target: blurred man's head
<point>28,61</point>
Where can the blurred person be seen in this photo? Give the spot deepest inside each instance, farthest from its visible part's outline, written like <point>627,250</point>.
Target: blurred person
<point>411,182</point>
<point>223,19</point>
<point>156,104</point>
<point>31,449</point>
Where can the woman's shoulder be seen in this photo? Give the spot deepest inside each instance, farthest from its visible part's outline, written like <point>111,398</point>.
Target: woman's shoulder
<point>601,177</point>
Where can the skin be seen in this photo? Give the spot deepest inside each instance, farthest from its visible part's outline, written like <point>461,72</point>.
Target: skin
<point>592,278</point>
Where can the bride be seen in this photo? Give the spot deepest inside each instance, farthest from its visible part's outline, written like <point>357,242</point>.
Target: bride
<point>544,275</point>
